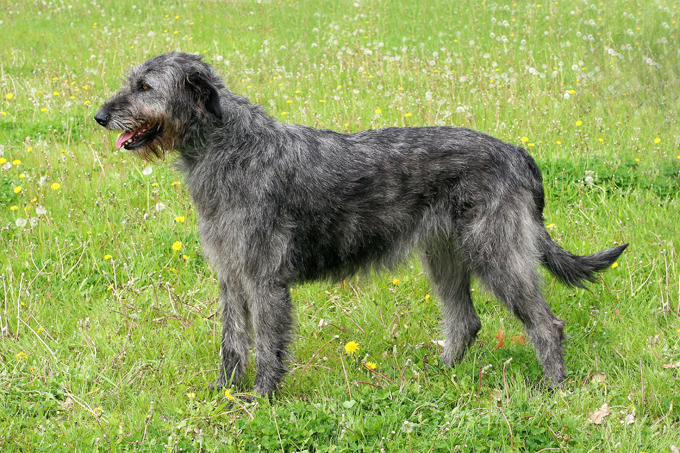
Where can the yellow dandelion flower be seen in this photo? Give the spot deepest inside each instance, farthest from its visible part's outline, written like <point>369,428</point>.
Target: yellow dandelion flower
<point>378,111</point>
<point>175,183</point>
<point>107,257</point>
<point>18,189</point>
<point>56,186</point>
<point>97,411</point>
<point>637,159</point>
<point>600,139</point>
<point>3,160</point>
<point>40,330</point>
<point>16,162</point>
<point>578,123</point>
<point>657,140</point>
<point>55,93</point>
<point>185,257</point>
<point>43,109</point>
<point>615,265</point>
<point>284,113</point>
<point>9,96</point>
<point>322,100</point>
<point>427,297</point>
<point>524,139</point>
<point>408,114</point>
<point>228,395</point>
<point>177,246</point>
<point>13,208</point>
<point>351,347</point>
<point>191,395</point>
<point>371,365</point>
<point>558,142</point>
<point>179,219</point>
<point>21,356</point>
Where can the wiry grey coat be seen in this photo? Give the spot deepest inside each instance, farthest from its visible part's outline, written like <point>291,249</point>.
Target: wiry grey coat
<point>281,203</point>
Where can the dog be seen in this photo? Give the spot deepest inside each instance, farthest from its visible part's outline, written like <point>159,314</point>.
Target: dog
<point>282,203</point>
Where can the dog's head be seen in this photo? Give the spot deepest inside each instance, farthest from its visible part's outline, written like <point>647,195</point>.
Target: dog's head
<point>161,102</point>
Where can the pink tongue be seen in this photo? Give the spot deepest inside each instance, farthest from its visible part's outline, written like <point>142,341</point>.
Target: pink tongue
<point>122,138</point>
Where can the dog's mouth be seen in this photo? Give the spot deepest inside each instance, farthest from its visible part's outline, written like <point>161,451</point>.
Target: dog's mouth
<point>139,137</point>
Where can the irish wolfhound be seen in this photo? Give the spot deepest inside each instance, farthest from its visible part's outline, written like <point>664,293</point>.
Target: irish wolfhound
<point>280,203</point>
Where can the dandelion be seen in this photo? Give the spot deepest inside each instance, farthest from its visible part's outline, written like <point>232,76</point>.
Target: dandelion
<point>551,226</point>
<point>21,356</point>
<point>558,142</point>
<point>13,208</point>
<point>16,162</point>
<point>56,186</point>
<point>175,183</point>
<point>395,282</point>
<point>615,265</point>
<point>40,330</point>
<point>97,411</point>
<point>351,347</point>
<point>177,246</point>
<point>228,395</point>
<point>578,123</point>
<point>107,257</point>
<point>3,160</point>
<point>427,297</point>
<point>378,111</point>
<point>179,219</point>
<point>191,395</point>
<point>18,189</point>
<point>371,365</point>
<point>159,207</point>
<point>524,139</point>
<point>9,96</point>
<point>147,171</point>
<point>657,140</point>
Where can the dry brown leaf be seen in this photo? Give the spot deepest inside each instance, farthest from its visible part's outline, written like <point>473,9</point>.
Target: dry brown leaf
<point>598,416</point>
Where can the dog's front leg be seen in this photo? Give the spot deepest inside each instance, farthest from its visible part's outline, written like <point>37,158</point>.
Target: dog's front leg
<point>236,329</point>
<point>273,318</point>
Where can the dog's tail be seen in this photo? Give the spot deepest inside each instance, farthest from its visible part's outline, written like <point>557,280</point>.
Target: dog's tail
<point>574,270</point>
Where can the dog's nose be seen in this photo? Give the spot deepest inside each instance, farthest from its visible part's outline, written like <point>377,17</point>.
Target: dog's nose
<point>101,117</point>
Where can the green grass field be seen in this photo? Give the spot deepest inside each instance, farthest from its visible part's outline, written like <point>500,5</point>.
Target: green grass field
<point>109,334</point>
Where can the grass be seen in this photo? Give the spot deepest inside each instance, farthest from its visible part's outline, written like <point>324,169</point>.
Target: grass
<point>109,336</point>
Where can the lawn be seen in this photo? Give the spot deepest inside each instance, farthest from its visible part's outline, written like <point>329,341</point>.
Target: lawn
<point>109,322</point>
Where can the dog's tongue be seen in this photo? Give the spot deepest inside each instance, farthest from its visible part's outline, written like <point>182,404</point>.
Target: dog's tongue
<point>122,138</point>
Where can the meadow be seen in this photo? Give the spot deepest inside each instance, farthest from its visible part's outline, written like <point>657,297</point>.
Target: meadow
<point>109,324</point>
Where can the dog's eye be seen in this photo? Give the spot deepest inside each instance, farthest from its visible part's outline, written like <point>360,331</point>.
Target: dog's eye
<point>144,87</point>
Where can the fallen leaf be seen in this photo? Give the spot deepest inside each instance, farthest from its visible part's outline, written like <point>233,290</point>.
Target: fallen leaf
<point>499,339</point>
<point>68,402</point>
<point>671,365</point>
<point>598,377</point>
<point>519,339</point>
<point>598,416</point>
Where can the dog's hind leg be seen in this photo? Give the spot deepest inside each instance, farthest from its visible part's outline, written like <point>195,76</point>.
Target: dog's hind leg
<point>236,334</point>
<point>502,248</point>
<point>449,273</point>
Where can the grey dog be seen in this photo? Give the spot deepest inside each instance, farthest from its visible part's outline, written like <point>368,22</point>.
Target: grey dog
<point>281,203</point>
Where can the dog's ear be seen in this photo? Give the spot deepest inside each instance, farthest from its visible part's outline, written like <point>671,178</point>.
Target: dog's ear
<point>205,92</point>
